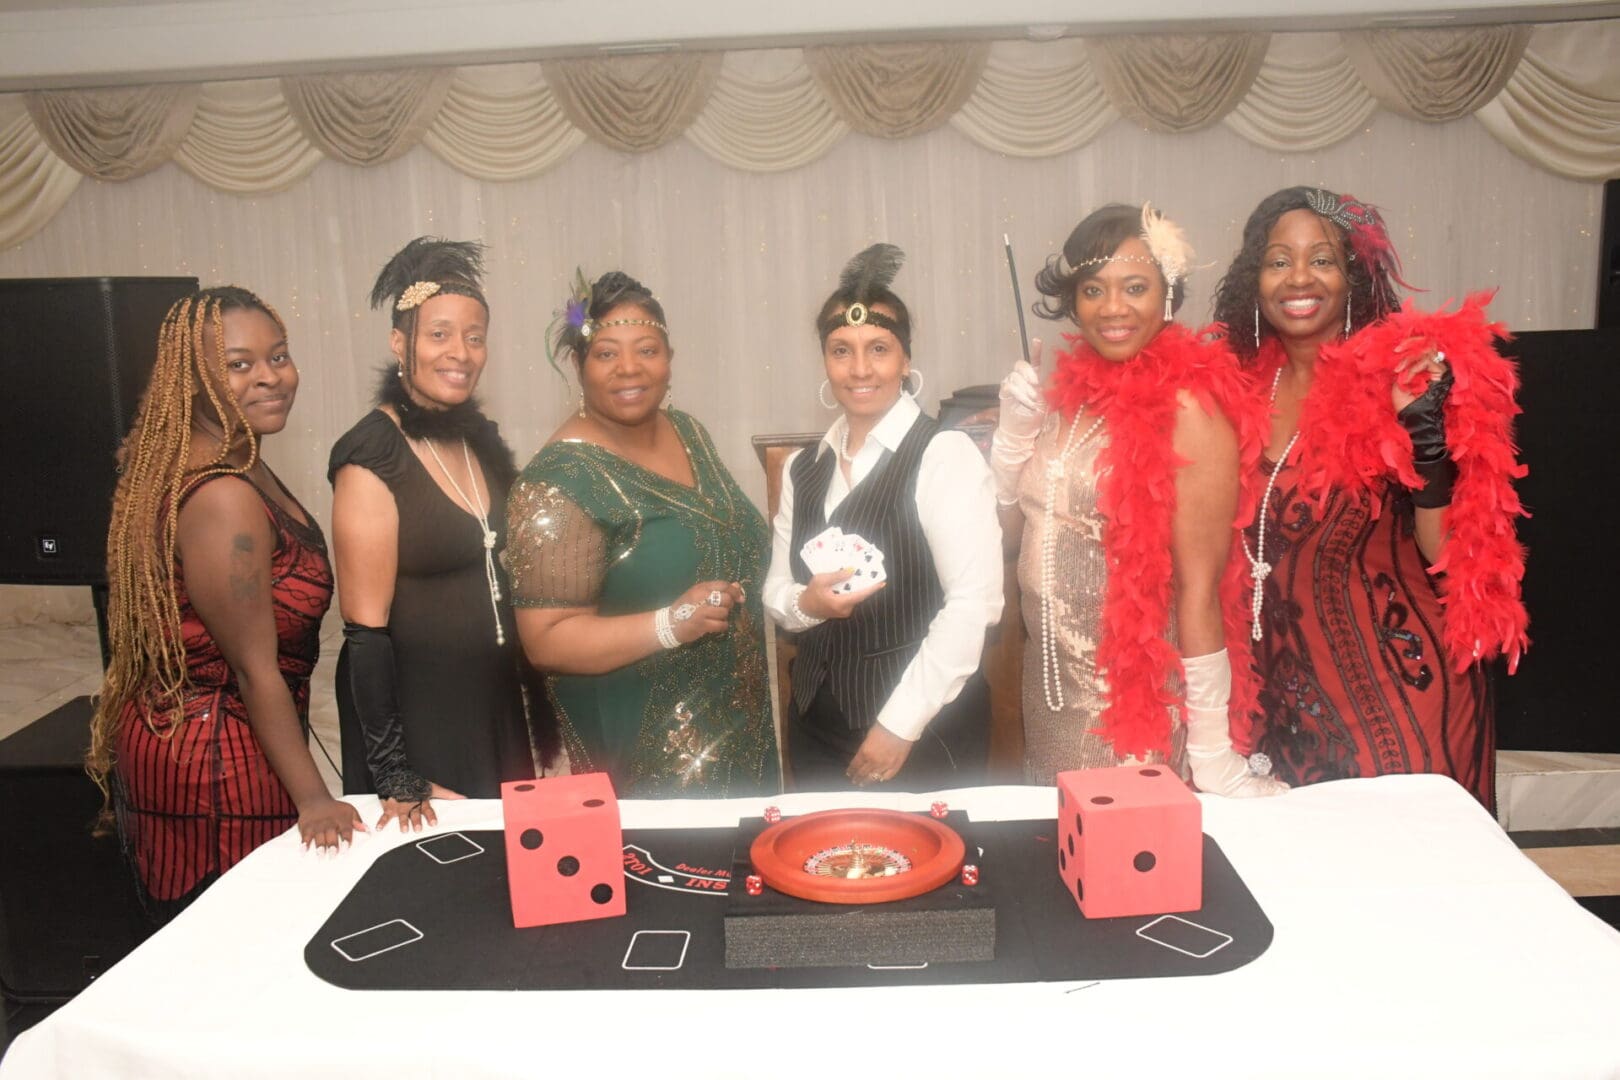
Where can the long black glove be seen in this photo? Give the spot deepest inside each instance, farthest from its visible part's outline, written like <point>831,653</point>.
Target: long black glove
<point>1424,420</point>
<point>371,686</point>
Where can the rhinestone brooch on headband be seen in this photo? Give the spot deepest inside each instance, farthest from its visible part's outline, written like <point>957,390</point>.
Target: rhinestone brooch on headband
<point>416,294</point>
<point>855,314</point>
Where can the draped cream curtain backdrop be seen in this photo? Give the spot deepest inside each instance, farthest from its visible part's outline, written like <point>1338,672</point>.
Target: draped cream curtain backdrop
<point>1549,93</point>
<point>743,214</point>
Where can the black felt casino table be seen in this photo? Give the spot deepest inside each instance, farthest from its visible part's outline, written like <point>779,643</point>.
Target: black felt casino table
<point>435,915</point>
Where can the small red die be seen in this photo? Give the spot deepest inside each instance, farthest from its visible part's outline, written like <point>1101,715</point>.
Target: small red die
<point>754,884</point>
<point>773,814</point>
<point>970,874</point>
<point>939,809</point>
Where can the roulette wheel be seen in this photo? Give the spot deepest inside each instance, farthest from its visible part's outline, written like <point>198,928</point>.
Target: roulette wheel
<point>857,856</point>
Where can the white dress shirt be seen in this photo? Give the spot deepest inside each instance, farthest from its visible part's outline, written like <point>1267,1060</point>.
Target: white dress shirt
<point>956,504</point>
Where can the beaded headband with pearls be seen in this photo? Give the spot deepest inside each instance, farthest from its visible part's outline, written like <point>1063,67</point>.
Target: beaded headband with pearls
<point>1169,250</point>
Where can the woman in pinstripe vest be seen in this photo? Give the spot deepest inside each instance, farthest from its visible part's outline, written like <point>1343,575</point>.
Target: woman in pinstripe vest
<point>886,689</point>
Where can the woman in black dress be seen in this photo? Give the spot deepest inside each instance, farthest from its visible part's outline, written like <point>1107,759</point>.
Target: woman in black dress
<point>429,697</point>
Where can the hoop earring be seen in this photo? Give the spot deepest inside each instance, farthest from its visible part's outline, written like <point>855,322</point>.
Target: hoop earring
<point>1347,316</point>
<point>821,395</point>
<point>1257,325</point>
<point>912,394</point>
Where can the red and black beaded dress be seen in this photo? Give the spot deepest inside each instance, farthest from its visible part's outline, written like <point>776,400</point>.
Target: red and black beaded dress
<point>192,802</point>
<point>1355,680</point>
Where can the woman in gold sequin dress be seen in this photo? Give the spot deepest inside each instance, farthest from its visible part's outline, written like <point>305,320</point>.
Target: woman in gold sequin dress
<point>636,563</point>
<point>1125,493</point>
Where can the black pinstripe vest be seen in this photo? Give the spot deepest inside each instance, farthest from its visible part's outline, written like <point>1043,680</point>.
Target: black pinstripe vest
<point>863,656</point>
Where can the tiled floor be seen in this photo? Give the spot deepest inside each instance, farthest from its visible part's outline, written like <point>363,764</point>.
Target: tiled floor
<point>46,664</point>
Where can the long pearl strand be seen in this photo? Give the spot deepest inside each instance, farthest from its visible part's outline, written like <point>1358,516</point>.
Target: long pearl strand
<point>1257,564</point>
<point>475,506</point>
<point>1051,676</point>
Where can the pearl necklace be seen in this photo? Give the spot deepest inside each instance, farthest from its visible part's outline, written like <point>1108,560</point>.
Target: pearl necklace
<point>475,506</point>
<point>1051,676</point>
<point>1257,564</point>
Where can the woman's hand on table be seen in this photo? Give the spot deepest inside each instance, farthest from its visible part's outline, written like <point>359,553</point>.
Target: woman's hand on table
<point>820,600</point>
<point>413,814</point>
<point>880,758</point>
<point>328,824</point>
<point>707,606</point>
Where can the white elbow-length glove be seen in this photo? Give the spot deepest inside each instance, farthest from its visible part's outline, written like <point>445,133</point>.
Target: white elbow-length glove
<point>1216,767</point>
<point>1023,411</point>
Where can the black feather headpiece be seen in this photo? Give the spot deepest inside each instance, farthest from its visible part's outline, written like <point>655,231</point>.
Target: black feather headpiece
<point>426,267</point>
<point>870,272</point>
<point>865,281</point>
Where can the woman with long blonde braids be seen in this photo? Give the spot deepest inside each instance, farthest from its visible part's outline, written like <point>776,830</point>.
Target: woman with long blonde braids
<point>218,582</point>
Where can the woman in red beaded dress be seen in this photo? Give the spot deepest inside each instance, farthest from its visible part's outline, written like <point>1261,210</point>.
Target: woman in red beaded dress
<point>218,581</point>
<point>1384,556</point>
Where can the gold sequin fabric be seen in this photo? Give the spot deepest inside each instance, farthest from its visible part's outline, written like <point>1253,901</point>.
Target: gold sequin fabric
<point>1056,741</point>
<point>589,529</point>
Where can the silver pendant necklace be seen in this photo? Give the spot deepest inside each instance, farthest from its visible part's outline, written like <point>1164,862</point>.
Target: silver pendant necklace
<point>475,506</point>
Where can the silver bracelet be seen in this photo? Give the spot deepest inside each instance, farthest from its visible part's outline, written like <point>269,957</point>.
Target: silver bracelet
<point>798,612</point>
<point>664,630</point>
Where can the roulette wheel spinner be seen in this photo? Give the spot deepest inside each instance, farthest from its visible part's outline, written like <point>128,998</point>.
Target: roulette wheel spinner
<point>857,887</point>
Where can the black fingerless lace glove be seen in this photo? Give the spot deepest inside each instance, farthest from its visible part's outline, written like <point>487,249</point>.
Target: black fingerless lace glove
<point>1424,420</point>
<point>371,685</point>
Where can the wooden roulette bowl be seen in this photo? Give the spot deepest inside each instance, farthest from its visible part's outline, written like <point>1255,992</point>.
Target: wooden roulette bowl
<point>857,856</point>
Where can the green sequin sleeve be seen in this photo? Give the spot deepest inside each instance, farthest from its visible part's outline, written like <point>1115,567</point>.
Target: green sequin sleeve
<point>555,553</point>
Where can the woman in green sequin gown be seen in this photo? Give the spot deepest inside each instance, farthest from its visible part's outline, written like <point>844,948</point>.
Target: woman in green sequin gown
<point>626,511</point>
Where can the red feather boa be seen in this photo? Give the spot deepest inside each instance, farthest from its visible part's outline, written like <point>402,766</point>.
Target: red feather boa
<point>1136,492</point>
<point>1350,439</point>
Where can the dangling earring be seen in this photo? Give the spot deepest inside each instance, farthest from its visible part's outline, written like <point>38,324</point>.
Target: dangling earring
<point>400,371</point>
<point>912,394</point>
<point>1346,316</point>
<point>1257,325</point>
<point>1169,307</point>
<point>669,397</point>
<point>821,395</point>
<point>582,404</point>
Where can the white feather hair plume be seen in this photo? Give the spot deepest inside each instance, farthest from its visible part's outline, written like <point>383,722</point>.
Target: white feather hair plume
<point>1167,243</point>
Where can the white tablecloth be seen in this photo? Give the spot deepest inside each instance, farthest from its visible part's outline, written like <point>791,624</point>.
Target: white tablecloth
<point>1412,939</point>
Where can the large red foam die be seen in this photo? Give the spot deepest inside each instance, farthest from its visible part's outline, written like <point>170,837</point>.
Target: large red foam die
<point>1130,841</point>
<point>564,849</point>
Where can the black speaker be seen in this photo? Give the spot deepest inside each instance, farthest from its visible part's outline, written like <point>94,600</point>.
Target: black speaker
<point>1563,696</point>
<point>1608,305</point>
<point>75,354</point>
<point>68,906</point>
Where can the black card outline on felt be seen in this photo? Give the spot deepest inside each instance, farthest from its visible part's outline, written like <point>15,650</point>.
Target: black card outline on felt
<point>422,846</point>
<point>1142,933</point>
<point>1046,939</point>
<point>686,943</point>
<point>337,943</point>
